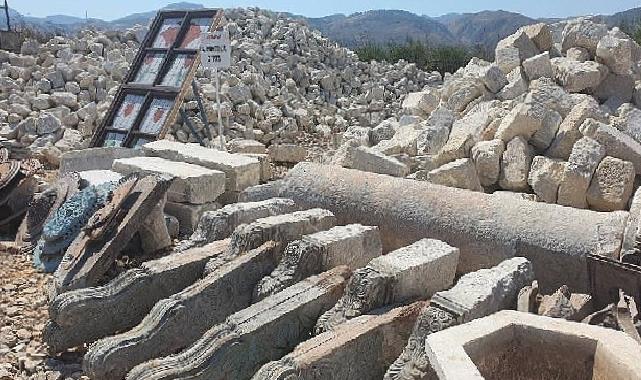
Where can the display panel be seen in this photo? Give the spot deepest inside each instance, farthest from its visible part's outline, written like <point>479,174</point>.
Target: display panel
<point>127,112</point>
<point>149,69</point>
<point>167,33</point>
<point>156,115</point>
<point>179,69</point>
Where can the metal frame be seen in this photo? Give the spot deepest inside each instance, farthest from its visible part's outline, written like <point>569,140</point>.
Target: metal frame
<point>156,90</point>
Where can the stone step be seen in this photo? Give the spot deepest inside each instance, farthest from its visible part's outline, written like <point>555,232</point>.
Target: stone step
<point>353,245</point>
<point>476,294</point>
<point>192,183</point>
<point>248,339</point>
<point>241,171</point>
<point>281,228</point>
<point>361,348</point>
<point>85,315</point>
<point>178,321</point>
<point>220,224</point>
<point>96,248</point>
<point>408,274</point>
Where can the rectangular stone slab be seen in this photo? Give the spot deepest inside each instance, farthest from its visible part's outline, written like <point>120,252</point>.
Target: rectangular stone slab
<point>241,171</point>
<point>361,348</point>
<point>84,315</point>
<point>94,158</point>
<point>282,228</point>
<point>179,320</point>
<point>188,215</point>
<point>86,261</point>
<point>263,332</point>
<point>419,270</point>
<point>192,183</point>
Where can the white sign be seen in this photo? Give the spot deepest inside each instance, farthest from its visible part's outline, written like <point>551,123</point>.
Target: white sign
<point>215,49</point>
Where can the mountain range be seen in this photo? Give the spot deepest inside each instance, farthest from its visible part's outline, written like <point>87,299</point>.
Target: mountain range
<point>483,29</point>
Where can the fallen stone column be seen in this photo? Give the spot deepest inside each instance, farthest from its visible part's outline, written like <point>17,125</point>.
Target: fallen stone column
<point>361,348</point>
<point>178,321</point>
<point>352,245</point>
<point>408,274</point>
<point>84,315</point>
<point>486,229</point>
<point>263,332</point>
<point>281,228</point>
<point>475,295</point>
<point>219,224</point>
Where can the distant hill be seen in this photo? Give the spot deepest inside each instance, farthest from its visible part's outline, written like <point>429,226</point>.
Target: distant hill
<point>484,28</point>
<point>382,26</point>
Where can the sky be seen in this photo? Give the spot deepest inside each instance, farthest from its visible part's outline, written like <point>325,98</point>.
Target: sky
<point>113,9</point>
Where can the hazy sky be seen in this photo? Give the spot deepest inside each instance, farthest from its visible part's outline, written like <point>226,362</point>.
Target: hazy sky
<point>112,9</point>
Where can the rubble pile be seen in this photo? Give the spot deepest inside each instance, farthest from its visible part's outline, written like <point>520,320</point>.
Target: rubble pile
<point>285,79</point>
<point>557,116</point>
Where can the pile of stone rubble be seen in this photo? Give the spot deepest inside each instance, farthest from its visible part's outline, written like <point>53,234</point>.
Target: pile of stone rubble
<point>285,79</point>
<point>556,116</point>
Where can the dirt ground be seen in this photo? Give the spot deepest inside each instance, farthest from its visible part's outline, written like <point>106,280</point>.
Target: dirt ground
<point>23,314</point>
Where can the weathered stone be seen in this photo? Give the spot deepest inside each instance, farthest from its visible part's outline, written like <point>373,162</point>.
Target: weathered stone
<point>578,54</point>
<point>244,146</point>
<point>615,87</point>
<point>514,49</point>
<point>617,144</point>
<point>541,35</point>
<point>92,253</point>
<point>578,76</point>
<point>191,183</point>
<point>353,245</point>
<point>527,301</point>
<point>171,326</point>
<point>466,132</point>
<point>124,301</point>
<point>241,171</point>
<point>288,153</point>
<point>490,74</point>
<point>460,173</point>
<point>280,228</point>
<point>538,66</point>
<point>542,138</point>
<point>407,274</point>
<point>611,185</point>
<point>432,138</point>
<point>515,165</point>
<point>94,158</point>
<point>404,141</point>
<point>268,329</point>
<point>361,348</point>
<point>188,214</point>
<point>616,53</point>
<point>583,33</point>
<point>421,103</point>
<point>383,131</point>
<point>219,224</point>
<point>569,130</point>
<point>545,177</point>
<point>487,158</point>
<point>266,173</point>
<point>371,160</point>
<point>475,295</point>
<point>585,157</point>
<point>523,120</point>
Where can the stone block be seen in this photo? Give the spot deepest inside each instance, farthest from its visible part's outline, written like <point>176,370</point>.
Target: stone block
<point>585,157</point>
<point>545,177</point>
<point>188,215</point>
<point>421,103</point>
<point>517,85</point>
<point>288,153</point>
<point>353,245</point>
<point>578,76</point>
<point>219,224</point>
<point>266,173</point>
<point>280,228</point>
<point>407,274</point>
<point>515,165</point>
<point>569,129</point>
<point>263,332</point>
<point>617,144</point>
<point>361,348</point>
<point>460,173</point>
<point>511,344</point>
<point>94,158</point>
<point>612,185</point>
<point>513,50</point>
<point>523,120</point>
<point>367,159</point>
<point>191,183</point>
<point>85,315</point>
<point>487,158</point>
<point>244,146</point>
<point>538,66</point>
<point>240,171</point>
